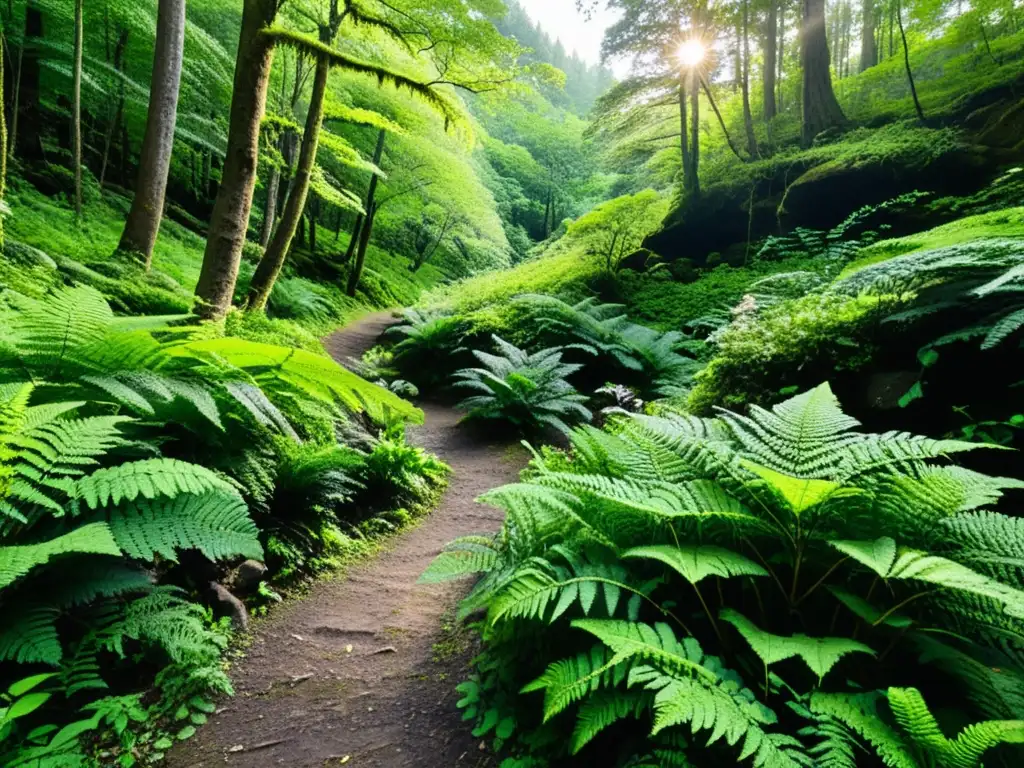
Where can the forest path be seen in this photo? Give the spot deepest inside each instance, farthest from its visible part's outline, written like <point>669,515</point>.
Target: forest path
<point>351,670</point>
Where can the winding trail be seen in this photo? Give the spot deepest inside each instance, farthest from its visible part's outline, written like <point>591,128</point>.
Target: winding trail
<point>351,670</point>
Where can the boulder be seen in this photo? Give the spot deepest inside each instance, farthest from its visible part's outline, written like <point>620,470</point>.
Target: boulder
<point>246,577</point>
<point>226,604</point>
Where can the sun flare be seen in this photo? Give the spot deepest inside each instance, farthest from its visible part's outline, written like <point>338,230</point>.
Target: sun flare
<point>690,53</point>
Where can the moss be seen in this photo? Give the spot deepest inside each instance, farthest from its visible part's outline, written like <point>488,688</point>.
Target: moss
<point>797,341</point>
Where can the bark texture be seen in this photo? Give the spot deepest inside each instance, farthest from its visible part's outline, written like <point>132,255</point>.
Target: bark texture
<point>274,257</point>
<point>230,218</point>
<point>143,223</point>
<point>820,107</point>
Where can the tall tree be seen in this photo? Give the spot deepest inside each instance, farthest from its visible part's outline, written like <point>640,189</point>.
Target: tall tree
<point>821,109</point>
<point>771,36</point>
<point>906,62</point>
<point>230,218</point>
<point>748,119</point>
<point>273,258</point>
<point>76,107</point>
<point>370,208</point>
<point>143,223</point>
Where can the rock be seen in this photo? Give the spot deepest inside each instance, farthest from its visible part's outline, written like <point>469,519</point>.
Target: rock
<point>638,261</point>
<point>26,255</point>
<point>226,604</point>
<point>246,577</point>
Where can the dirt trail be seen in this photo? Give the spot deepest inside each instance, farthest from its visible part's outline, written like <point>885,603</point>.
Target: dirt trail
<point>351,669</point>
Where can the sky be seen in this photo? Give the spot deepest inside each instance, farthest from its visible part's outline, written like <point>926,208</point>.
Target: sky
<point>561,20</point>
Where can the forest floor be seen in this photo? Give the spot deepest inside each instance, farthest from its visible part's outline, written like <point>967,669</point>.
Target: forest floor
<point>362,671</point>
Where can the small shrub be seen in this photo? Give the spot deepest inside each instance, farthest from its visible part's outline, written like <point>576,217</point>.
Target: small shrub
<point>527,390</point>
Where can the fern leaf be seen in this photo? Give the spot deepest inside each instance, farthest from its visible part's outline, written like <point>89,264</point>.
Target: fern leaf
<point>149,478</point>
<point>697,562</point>
<point>602,709</point>
<point>29,634</point>
<point>95,539</point>
<point>819,653</point>
<point>859,713</point>
<point>1003,329</point>
<point>462,557</point>
<point>216,523</point>
<point>569,680</point>
<point>913,716</point>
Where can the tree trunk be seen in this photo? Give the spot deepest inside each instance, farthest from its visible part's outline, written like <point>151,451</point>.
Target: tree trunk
<point>27,91</point>
<point>353,240</point>
<point>684,136</point>
<point>821,110</point>
<point>270,209</point>
<point>143,224</point>
<point>906,61</point>
<point>371,212</point>
<point>122,42</point>
<point>274,257</point>
<point>781,53</point>
<point>76,108</point>
<point>230,218</point>
<point>313,213</point>
<point>748,118</point>
<point>4,50</point>
<point>695,131</point>
<point>771,34</point>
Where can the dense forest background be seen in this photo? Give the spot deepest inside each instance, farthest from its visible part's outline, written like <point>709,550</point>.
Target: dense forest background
<point>647,266</point>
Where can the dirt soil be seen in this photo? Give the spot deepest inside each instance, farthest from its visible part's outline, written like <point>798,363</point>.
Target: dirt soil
<point>361,672</point>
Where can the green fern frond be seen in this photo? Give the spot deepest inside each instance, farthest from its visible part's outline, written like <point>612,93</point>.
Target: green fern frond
<point>697,562</point>
<point>29,634</point>
<point>94,538</point>
<point>860,714</point>
<point>215,522</point>
<point>309,374</point>
<point>604,708</point>
<point>149,478</point>
<point>462,557</point>
<point>910,711</point>
<point>569,680</point>
<point>819,653</point>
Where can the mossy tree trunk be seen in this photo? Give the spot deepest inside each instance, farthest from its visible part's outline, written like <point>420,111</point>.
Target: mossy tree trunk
<point>230,219</point>
<point>371,209</point>
<point>274,257</point>
<point>76,107</point>
<point>353,241</point>
<point>143,223</point>
<point>684,134</point>
<point>821,109</point>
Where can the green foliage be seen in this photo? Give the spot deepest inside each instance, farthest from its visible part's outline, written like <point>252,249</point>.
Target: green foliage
<point>768,535</point>
<point>529,390</point>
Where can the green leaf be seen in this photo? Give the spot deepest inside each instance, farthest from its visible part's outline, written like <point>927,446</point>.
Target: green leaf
<point>94,539</point>
<point>801,494</point>
<point>186,733</point>
<point>819,653</point>
<point>697,562</point>
<point>506,728</point>
<point>25,705</point>
<point>878,555</point>
<point>23,686</point>
<point>927,356</point>
<point>912,394</point>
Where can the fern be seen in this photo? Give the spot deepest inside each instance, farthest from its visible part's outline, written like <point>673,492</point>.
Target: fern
<point>214,522</point>
<point>528,390</point>
<point>819,653</point>
<point>150,479</point>
<point>966,750</point>
<point>15,562</point>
